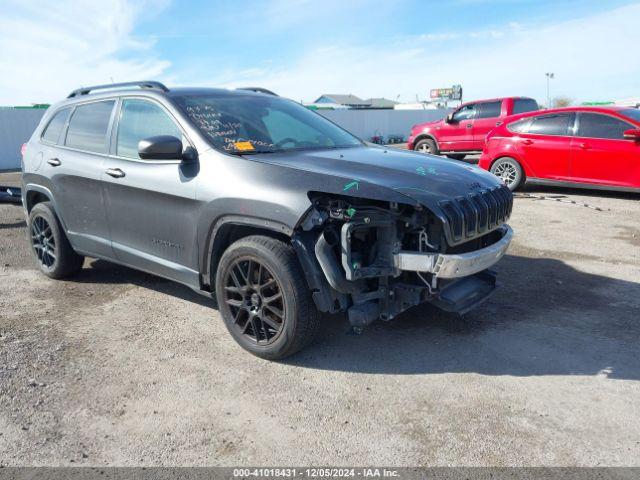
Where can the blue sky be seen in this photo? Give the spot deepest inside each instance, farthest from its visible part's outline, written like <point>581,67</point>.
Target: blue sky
<point>303,48</point>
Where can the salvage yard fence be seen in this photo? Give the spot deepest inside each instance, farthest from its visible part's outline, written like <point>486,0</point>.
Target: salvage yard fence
<point>367,123</point>
<point>16,126</point>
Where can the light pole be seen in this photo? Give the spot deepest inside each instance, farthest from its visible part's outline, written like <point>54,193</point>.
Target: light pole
<point>549,76</point>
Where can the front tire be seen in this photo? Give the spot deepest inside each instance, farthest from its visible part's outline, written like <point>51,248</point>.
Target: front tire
<point>427,146</point>
<point>264,299</point>
<point>509,170</point>
<point>54,254</point>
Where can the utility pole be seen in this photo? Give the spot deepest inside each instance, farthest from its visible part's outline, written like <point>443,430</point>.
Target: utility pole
<point>549,75</point>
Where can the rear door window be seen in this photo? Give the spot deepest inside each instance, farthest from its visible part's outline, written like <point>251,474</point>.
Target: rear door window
<point>140,119</point>
<point>54,128</point>
<point>522,105</point>
<point>519,126</point>
<point>551,124</point>
<point>489,109</point>
<point>594,125</point>
<point>88,127</point>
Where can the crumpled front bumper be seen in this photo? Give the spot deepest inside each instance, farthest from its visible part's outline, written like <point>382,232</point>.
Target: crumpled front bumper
<point>469,282</point>
<point>459,265</point>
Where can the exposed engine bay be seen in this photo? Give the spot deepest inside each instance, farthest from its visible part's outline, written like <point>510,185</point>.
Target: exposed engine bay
<point>376,259</point>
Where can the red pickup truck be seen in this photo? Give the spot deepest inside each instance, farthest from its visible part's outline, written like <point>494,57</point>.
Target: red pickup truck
<point>463,130</point>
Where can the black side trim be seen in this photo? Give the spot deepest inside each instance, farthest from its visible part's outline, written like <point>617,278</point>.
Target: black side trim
<point>212,254</point>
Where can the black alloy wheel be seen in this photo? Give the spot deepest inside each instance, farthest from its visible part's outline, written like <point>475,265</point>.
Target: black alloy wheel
<point>43,242</point>
<point>54,255</point>
<point>254,297</point>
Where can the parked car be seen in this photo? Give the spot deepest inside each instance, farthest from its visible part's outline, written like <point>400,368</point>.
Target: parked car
<point>261,203</point>
<point>596,147</point>
<point>463,131</point>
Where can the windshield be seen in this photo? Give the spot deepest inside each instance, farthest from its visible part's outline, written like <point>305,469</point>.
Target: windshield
<point>632,113</point>
<point>237,123</point>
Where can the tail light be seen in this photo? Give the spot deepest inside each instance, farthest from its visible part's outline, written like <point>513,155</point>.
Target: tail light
<point>23,149</point>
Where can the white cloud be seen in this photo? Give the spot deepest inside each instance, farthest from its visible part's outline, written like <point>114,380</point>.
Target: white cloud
<point>592,57</point>
<point>49,48</point>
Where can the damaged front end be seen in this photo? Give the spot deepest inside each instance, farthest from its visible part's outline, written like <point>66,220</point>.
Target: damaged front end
<point>375,259</point>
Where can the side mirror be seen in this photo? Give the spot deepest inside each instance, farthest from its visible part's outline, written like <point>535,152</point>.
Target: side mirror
<point>190,156</point>
<point>449,118</point>
<point>632,134</point>
<point>162,147</point>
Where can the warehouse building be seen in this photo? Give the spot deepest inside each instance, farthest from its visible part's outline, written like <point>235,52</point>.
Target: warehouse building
<point>16,126</point>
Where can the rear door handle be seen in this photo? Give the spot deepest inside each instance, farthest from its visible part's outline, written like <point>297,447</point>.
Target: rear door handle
<point>526,141</point>
<point>54,162</point>
<point>585,146</point>
<point>469,125</point>
<point>115,172</point>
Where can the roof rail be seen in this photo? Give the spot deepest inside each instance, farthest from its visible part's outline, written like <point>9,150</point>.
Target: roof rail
<point>258,90</point>
<point>141,84</point>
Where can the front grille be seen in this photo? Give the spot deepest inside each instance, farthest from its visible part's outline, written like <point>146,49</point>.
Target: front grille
<point>477,213</point>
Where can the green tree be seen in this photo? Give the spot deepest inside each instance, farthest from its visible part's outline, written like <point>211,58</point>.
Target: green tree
<point>561,101</point>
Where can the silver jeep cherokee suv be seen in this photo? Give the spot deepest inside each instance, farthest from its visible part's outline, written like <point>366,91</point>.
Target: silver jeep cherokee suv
<point>261,203</point>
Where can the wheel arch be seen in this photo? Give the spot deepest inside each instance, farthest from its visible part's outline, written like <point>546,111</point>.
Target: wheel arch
<point>231,228</point>
<point>426,136</point>
<point>34,194</point>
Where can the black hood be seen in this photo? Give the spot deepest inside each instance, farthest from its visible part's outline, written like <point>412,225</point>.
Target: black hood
<point>426,179</point>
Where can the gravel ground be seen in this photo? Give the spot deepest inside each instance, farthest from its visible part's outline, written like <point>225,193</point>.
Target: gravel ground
<point>117,367</point>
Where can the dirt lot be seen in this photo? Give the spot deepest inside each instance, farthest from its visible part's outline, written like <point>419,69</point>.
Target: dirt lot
<point>118,367</point>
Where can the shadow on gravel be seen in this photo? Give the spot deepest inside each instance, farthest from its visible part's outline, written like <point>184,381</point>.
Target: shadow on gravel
<point>546,319</point>
<point>103,272</point>
<point>584,192</point>
<point>8,226</point>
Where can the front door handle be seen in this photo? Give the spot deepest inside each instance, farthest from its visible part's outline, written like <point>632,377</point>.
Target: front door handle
<point>585,146</point>
<point>469,125</point>
<point>115,172</point>
<point>527,141</point>
<point>54,162</point>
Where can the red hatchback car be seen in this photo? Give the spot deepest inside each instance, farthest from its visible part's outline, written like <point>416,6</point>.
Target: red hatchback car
<point>592,147</point>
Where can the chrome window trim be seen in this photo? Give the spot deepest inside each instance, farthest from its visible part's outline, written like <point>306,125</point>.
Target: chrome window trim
<point>113,125</point>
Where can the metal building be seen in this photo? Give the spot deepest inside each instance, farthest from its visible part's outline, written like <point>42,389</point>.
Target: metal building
<point>16,126</point>
<point>366,123</point>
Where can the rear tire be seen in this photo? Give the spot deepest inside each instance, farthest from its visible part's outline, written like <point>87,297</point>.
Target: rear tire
<point>264,298</point>
<point>509,170</point>
<point>54,254</point>
<point>427,146</point>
